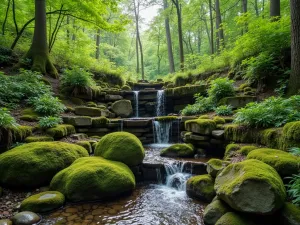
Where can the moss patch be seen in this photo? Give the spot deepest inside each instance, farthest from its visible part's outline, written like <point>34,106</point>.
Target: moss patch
<point>38,139</point>
<point>206,117</point>
<point>219,120</point>
<point>105,178</point>
<point>291,135</point>
<point>178,150</point>
<point>290,214</point>
<point>232,218</point>
<point>121,146</point>
<point>245,150</point>
<point>29,115</point>
<point>240,134</point>
<point>186,90</point>
<point>214,211</point>
<point>33,165</point>
<point>101,121</point>
<point>285,164</point>
<point>201,126</point>
<point>43,202</point>
<point>271,137</point>
<point>61,131</point>
<point>87,145</point>
<point>166,118</point>
<point>230,150</point>
<point>214,166</point>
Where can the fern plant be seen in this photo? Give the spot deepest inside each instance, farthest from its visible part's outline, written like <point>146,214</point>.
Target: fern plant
<point>293,189</point>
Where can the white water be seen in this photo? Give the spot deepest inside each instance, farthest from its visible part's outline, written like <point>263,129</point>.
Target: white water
<point>162,131</point>
<point>160,103</point>
<point>136,100</point>
<point>175,175</point>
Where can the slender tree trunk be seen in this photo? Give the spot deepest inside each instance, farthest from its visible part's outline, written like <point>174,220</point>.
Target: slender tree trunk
<point>180,35</point>
<point>294,82</point>
<point>137,56</point>
<point>199,32</point>
<point>256,8</point>
<point>158,52</point>
<point>14,16</point>
<point>74,28</point>
<point>68,31</point>
<point>39,51</point>
<point>5,18</point>
<point>274,8</point>
<point>212,48</point>
<point>169,40</point>
<point>220,31</point>
<point>98,44</point>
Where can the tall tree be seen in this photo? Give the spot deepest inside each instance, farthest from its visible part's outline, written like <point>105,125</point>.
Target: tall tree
<point>177,5</point>
<point>98,44</point>
<point>274,8</point>
<point>39,51</point>
<point>212,48</point>
<point>220,31</point>
<point>169,40</point>
<point>294,82</point>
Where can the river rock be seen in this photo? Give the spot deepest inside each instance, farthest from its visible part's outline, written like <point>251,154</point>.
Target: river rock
<point>214,211</point>
<point>6,222</point>
<point>232,218</point>
<point>251,186</point>
<point>201,126</point>
<point>26,218</point>
<point>214,166</point>
<point>290,214</point>
<point>122,108</point>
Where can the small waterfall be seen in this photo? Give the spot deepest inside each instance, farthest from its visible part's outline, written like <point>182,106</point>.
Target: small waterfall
<point>136,100</point>
<point>160,103</point>
<point>175,175</point>
<point>162,131</point>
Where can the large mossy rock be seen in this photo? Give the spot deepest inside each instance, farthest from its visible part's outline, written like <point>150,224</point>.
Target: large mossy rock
<point>121,146</point>
<point>290,214</point>
<point>201,187</point>
<point>122,108</point>
<point>93,178</point>
<point>35,164</point>
<point>43,202</point>
<point>251,186</point>
<point>201,126</point>
<point>61,131</point>
<point>214,211</point>
<point>178,150</point>
<point>214,166</point>
<point>87,111</point>
<point>284,163</point>
<point>232,218</point>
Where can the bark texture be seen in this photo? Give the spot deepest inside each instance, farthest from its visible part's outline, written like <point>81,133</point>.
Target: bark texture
<point>274,8</point>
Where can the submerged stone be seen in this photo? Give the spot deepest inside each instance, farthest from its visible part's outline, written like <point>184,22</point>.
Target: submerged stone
<point>178,150</point>
<point>26,218</point>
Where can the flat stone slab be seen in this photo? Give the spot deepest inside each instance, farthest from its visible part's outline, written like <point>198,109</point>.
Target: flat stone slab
<point>79,136</point>
<point>218,134</point>
<point>137,130</point>
<point>113,97</point>
<point>198,137</point>
<point>78,121</point>
<point>136,123</point>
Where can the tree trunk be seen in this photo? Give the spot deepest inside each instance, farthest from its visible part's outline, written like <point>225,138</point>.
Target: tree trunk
<point>98,44</point>
<point>5,18</point>
<point>274,8</point>
<point>39,52</point>
<point>220,31</point>
<point>68,31</point>
<point>14,16</point>
<point>169,40</point>
<point>137,56</point>
<point>212,48</point>
<point>256,8</point>
<point>199,40</point>
<point>294,82</point>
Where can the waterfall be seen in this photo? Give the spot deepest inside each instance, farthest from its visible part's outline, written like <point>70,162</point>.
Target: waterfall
<point>175,175</point>
<point>162,131</point>
<point>136,100</point>
<point>160,103</point>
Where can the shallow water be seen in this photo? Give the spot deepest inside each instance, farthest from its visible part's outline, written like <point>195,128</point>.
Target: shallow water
<point>149,204</point>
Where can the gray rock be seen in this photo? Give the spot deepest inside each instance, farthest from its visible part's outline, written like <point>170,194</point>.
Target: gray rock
<point>198,137</point>
<point>122,108</point>
<point>214,211</point>
<point>26,218</point>
<point>87,111</point>
<point>6,222</point>
<point>218,134</point>
<point>78,121</point>
<point>113,97</point>
<point>79,136</point>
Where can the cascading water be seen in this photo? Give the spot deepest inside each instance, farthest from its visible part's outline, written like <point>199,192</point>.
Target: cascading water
<point>175,175</point>
<point>160,103</point>
<point>136,100</point>
<point>162,131</point>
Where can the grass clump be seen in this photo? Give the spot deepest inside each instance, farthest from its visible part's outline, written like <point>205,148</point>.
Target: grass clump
<point>221,88</point>
<point>47,105</point>
<point>293,189</point>
<point>49,121</point>
<point>224,110</point>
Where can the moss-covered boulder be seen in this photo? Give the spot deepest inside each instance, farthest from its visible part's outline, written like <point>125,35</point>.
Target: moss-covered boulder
<point>87,111</point>
<point>33,165</point>
<point>245,150</point>
<point>122,108</point>
<point>284,163</point>
<point>61,131</point>
<point>87,145</point>
<point>178,150</point>
<point>43,202</point>
<point>214,211</point>
<point>251,186</point>
<point>201,126</point>
<point>121,146</point>
<point>232,218</point>
<point>93,178</point>
<point>29,115</point>
<point>38,139</point>
<point>219,120</point>
<point>78,121</point>
<point>214,166</point>
<point>99,122</point>
<point>201,187</point>
<point>291,135</point>
<point>290,214</point>
<point>230,150</point>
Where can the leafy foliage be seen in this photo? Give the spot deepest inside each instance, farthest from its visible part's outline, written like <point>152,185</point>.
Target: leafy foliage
<point>224,110</point>
<point>202,105</point>
<point>47,105</point>
<point>6,120</point>
<point>49,121</point>
<point>269,113</point>
<point>221,88</point>
<point>295,151</point>
<point>293,189</point>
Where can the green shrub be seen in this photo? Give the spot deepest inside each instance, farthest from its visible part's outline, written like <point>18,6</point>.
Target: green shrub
<point>6,120</point>
<point>224,110</point>
<point>221,88</point>
<point>202,105</point>
<point>77,81</point>
<point>47,105</point>
<point>295,151</point>
<point>269,113</point>
<point>49,121</point>
<point>293,189</point>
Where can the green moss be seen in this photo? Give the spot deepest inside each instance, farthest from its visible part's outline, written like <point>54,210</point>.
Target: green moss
<point>271,137</point>
<point>186,90</point>
<point>38,139</point>
<point>230,150</point>
<point>284,163</point>
<point>69,109</point>
<point>240,134</point>
<point>206,117</point>
<point>243,86</point>
<point>126,88</point>
<point>19,133</point>
<point>247,89</point>
<point>77,101</point>
<point>61,131</point>
<point>291,135</point>
<point>105,179</point>
<point>87,111</point>
<point>91,104</point>
<point>121,146</point>
<point>232,218</point>
<point>87,145</point>
<point>229,119</point>
<point>290,214</point>
<point>166,118</point>
<point>214,166</point>
<point>33,165</point>
<point>101,121</point>
<point>219,120</point>
<point>178,150</point>
<point>251,186</point>
<point>43,202</point>
<point>214,211</point>
<point>245,150</point>
<point>200,126</point>
<point>201,187</point>
<point>29,115</point>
